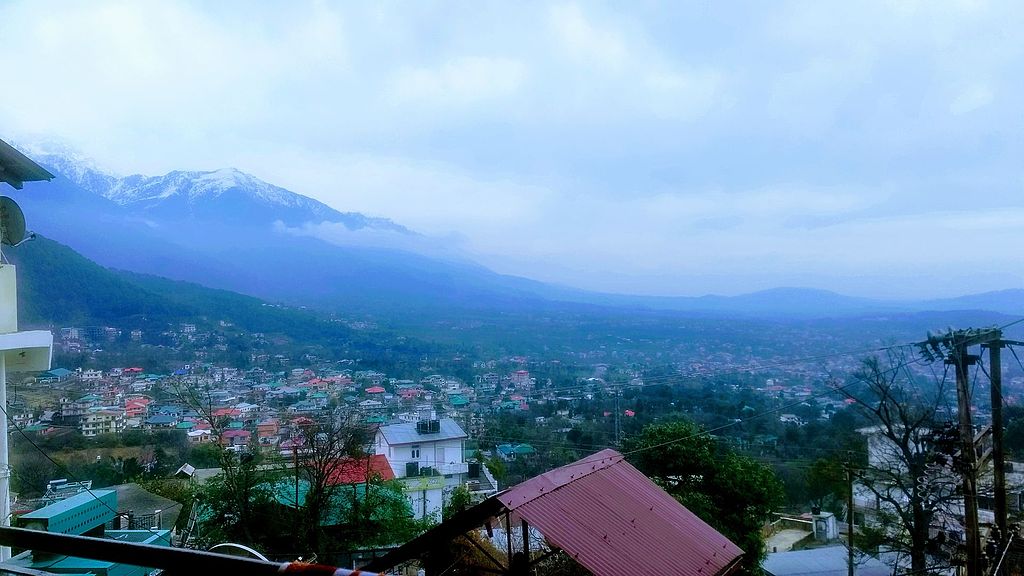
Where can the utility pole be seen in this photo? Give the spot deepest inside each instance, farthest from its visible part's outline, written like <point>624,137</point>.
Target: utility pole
<point>998,456</point>
<point>849,521</point>
<point>962,361</point>
<point>618,426</point>
<point>953,347</point>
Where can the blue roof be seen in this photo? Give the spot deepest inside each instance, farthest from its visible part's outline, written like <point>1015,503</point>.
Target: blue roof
<point>405,433</point>
<point>827,561</point>
<point>162,419</point>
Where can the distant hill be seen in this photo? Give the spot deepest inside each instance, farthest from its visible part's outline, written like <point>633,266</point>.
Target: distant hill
<point>229,230</point>
<point>59,287</point>
<point>1004,301</point>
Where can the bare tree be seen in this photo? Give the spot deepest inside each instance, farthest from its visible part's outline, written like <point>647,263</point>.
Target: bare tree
<point>912,492</point>
<point>333,446</point>
<point>235,499</point>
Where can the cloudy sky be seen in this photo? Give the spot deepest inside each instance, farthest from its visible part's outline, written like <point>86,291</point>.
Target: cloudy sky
<point>872,148</point>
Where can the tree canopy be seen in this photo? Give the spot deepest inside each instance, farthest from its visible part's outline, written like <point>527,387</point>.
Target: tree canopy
<point>733,493</point>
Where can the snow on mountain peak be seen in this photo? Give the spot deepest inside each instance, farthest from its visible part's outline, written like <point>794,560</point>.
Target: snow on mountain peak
<point>223,195</point>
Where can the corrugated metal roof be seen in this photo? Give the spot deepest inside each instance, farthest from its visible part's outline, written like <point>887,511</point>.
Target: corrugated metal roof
<point>361,470</point>
<point>609,517</point>
<point>828,561</point>
<point>16,168</point>
<point>405,433</point>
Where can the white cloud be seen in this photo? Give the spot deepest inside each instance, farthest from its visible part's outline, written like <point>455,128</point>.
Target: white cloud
<point>461,81</point>
<point>669,149</point>
<point>629,70</point>
<point>971,99</point>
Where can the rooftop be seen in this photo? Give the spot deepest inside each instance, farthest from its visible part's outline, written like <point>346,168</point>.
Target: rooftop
<point>16,168</point>
<point>405,433</point>
<point>603,513</point>
<point>66,504</point>
<point>827,561</point>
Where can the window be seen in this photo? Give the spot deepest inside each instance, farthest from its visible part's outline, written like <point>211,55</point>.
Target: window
<point>416,452</point>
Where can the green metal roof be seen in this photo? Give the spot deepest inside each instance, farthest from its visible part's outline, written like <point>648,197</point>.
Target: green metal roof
<point>69,504</point>
<point>284,493</point>
<point>75,515</point>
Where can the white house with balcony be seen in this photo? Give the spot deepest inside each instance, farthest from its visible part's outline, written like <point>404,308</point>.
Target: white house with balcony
<point>427,457</point>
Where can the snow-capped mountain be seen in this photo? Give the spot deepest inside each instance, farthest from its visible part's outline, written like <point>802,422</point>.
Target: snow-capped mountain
<point>227,195</point>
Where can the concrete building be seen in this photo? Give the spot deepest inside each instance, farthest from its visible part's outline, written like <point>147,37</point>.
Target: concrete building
<point>427,457</point>
<point>102,422</point>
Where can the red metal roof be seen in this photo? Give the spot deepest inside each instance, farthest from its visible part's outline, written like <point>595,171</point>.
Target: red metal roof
<point>611,518</point>
<point>360,470</point>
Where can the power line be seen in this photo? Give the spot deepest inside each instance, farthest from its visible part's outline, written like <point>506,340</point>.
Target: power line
<point>63,467</point>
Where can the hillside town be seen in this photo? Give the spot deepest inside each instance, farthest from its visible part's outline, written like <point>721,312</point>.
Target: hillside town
<point>537,289</point>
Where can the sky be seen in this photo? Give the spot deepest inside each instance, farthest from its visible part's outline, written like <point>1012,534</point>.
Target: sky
<point>677,148</point>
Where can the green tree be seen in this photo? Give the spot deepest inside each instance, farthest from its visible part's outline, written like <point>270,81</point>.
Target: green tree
<point>827,484</point>
<point>733,493</point>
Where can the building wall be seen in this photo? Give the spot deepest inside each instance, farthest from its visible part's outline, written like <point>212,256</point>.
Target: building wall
<point>445,456</point>
<point>426,494</point>
<point>95,424</point>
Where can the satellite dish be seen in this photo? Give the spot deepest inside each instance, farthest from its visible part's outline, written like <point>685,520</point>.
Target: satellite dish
<point>232,549</point>
<point>12,222</point>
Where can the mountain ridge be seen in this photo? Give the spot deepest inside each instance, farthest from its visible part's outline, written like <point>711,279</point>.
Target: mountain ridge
<point>184,194</point>
<point>130,223</point>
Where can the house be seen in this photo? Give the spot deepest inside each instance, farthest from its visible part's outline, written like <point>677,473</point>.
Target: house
<point>361,470</point>
<point>826,561</point>
<point>509,452</point>
<point>238,438</point>
<point>600,512</point>
<point>54,376</point>
<point>137,407</point>
<point>267,430</point>
<point>427,457</point>
<point>199,436</point>
<point>161,421</point>
<point>245,408</point>
<point>75,409</point>
<point>91,375</point>
<point>888,491</point>
<point>102,422</point>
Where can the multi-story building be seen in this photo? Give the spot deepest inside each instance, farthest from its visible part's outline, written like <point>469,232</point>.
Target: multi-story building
<point>102,422</point>
<point>427,457</point>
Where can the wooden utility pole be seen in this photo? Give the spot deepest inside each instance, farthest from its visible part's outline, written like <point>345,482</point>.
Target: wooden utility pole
<point>953,346</point>
<point>962,361</point>
<point>849,521</point>
<point>618,423</point>
<point>998,458</point>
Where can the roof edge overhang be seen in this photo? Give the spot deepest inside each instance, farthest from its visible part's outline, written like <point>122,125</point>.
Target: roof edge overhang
<point>444,532</point>
<point>16,168</point>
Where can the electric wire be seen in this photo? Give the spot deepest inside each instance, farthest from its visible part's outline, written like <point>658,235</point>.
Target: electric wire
<point>65,469</point>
